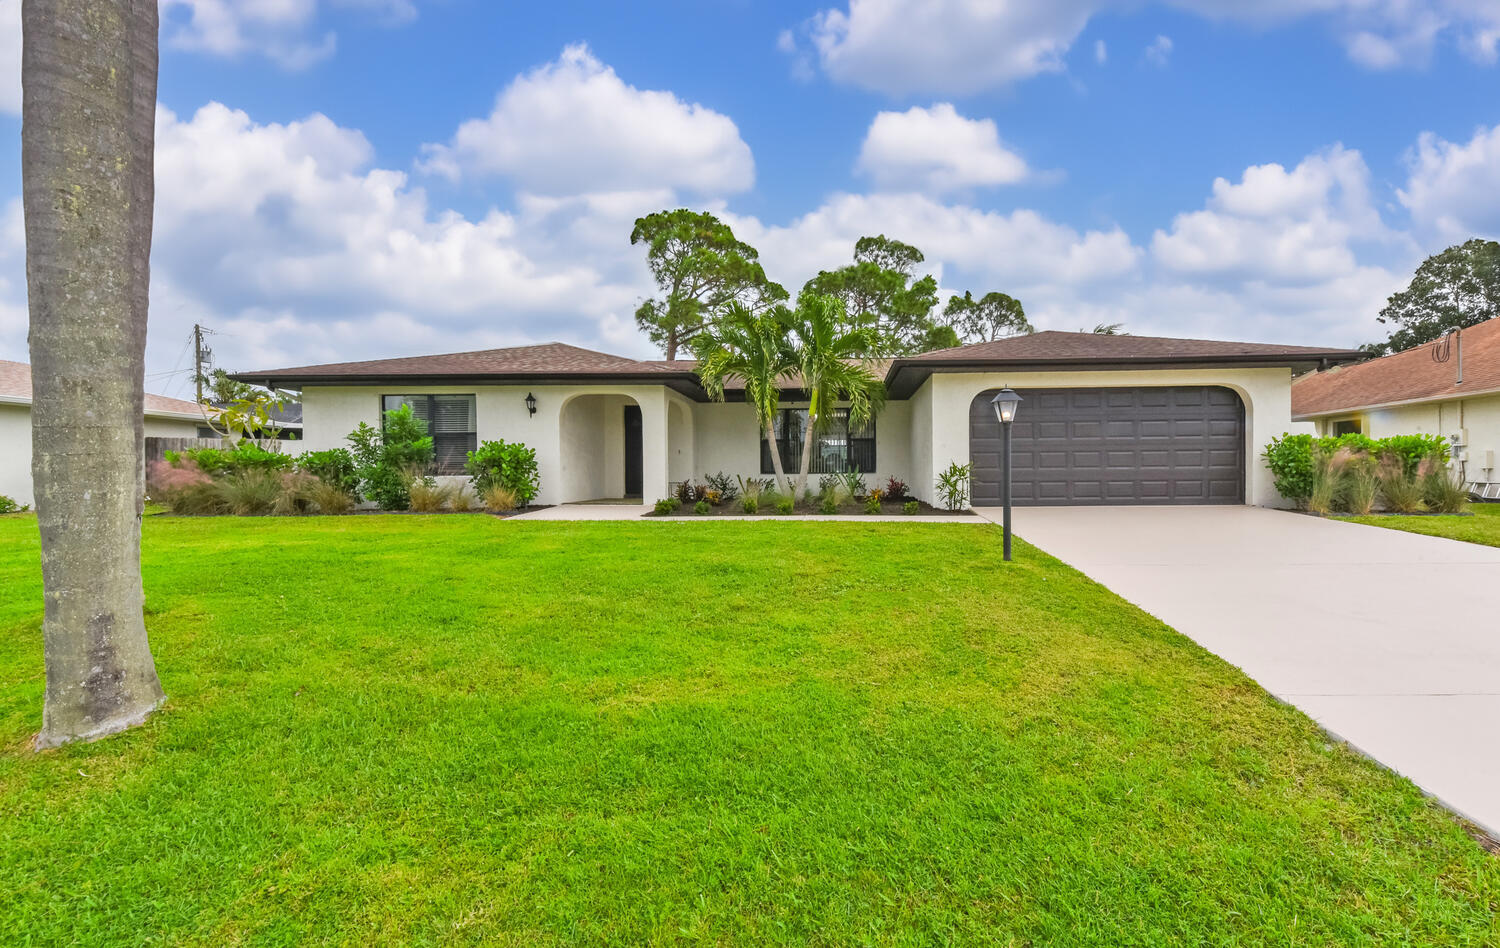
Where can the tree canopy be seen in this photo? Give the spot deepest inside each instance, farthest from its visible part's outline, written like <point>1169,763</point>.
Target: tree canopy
<point>1455,289</point>
<point>699,267</point>
<point>993,316</point>
<point>881,291</point>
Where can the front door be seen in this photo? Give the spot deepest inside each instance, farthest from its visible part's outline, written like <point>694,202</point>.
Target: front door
<point>633,462</point>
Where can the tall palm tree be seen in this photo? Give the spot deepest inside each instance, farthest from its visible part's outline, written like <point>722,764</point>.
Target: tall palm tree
<point>87,142</point>
<point>832,360</point>
<point>751,347</point>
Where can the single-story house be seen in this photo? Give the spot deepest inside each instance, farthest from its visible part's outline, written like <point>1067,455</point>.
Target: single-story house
<point>165,418</point>
<point>1106,419</point>
<point>1450,387</point>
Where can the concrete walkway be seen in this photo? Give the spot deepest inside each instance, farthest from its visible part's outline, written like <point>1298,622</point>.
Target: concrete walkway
<point>1390,640</point>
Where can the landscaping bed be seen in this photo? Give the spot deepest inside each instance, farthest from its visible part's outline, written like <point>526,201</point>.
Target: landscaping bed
<point>823,734</point>
<point>812,509</point>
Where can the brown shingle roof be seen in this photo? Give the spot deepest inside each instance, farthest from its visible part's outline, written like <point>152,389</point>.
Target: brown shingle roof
<point>15,383</point>
<point>1409,376</point>
<point>552,359</point>
<point>1053,346</point>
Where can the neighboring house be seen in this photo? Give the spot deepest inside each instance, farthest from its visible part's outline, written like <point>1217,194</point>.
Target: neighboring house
<point>1450,388</point>
<point>165,418</point>
<point>1106,420</point>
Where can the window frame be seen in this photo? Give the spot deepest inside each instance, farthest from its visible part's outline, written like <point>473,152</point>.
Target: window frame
<point>471,442</point>
<point>854,450</point>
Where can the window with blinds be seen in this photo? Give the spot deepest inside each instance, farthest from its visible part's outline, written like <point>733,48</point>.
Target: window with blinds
<point>450,419</point>
<point>836,450</point>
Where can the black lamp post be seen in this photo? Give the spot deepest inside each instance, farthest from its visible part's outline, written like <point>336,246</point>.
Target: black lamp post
<point>1005,404</point>
<point>531,403</point>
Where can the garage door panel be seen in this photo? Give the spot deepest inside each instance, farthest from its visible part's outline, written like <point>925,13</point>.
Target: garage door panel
<point>1178,445</point>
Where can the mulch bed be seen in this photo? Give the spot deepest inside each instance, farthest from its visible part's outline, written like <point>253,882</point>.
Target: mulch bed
<point>733,509</point>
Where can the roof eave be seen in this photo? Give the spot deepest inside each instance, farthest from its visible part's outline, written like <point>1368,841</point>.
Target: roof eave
<point>917,370</point>
<point>1382,406</point>
<point>685,383</point>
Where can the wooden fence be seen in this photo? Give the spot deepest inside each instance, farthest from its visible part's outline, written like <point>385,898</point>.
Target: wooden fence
<point>157,448</point>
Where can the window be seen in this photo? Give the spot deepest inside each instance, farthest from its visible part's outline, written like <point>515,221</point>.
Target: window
<point>1346,426</point>
<point>835,450</point>
<point>450,421</point>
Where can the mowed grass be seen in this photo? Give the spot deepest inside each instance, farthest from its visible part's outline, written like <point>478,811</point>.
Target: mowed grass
<point>460,730</point>
<point>1483,527</point>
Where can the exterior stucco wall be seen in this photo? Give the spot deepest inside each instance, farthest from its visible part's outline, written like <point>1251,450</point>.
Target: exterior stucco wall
<point>15,453</point>
<point>728,440</point>
<point>1266,393</point>
<point>1476,419</point>
<point>172,427</point>
<point>331,412</point>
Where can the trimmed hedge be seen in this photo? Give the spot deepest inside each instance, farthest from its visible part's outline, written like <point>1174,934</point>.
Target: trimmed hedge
<point>1291,456</point>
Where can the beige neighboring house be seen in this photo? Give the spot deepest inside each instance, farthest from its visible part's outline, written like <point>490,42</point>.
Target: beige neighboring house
<point>1106,419</point>
<point>1449,388</point>
<point>165,418</point>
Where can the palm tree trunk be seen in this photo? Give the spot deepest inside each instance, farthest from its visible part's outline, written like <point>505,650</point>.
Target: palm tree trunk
<point>87,141</point>
<point>807,449</point>
<point>782,483</point>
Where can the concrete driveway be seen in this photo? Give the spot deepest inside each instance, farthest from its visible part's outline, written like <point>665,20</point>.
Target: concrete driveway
<point>1390,640</point>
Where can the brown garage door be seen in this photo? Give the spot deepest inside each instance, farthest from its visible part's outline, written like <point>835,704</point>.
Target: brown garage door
<point>1181,445</point>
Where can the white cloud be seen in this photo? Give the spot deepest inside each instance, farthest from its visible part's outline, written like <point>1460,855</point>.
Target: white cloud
<point>284,31</point>
<point>573,125</point>
<point>1293,226</point>
<point>1453,190</point>
<point>1159,52</point>
<point>945,46</point>
<point>1101,52</point>
<point>958,47</point>
<point>937,150</point>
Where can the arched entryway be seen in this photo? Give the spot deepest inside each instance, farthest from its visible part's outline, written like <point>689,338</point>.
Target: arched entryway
<point>601,450</point>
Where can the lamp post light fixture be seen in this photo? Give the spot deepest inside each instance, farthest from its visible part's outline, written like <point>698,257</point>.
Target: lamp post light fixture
<point>1006,402</point>
<point>531,403</point>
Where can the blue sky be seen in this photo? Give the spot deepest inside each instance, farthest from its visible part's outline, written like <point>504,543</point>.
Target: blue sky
<point>342,179</point>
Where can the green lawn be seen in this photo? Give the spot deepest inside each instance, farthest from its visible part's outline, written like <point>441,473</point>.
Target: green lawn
<point>1483,527</point>
<point>462,730</point>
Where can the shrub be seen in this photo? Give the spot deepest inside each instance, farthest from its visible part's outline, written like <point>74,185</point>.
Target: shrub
<point>726,486</point>
<point>1400,490</point>
<point>953,485</point>
<point>182,487</point>
<point>758,487</point>
<point>854,485</point>
<point>328,499</point>
<point>701,508</point>
<point>668,505</point>
<point>498,498</point>
<point>1416,448</point>
<point>830,503</point>
<point>1360,483</point>
<point>510,464</point>
<point>895,489</point>
<point>749,504</point>
<point>1291,462</point>
<point>1442,492</point>
<point>384,459</point>
<point>686,493</point>
<point>9,505</point>
<point>428,496</point>
<point>784,505</point>
<point>713,497</point>
<point>910,507</point>
<point>829,484</point>
<point>252,493</point>
<point>460,499</point>
<point>872,502</point>
<point>1327,472</point>
<point>334,467</point>
<point>244,456</point>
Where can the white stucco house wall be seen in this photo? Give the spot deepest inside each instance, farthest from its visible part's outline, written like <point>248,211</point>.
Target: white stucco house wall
<point>1107,419</point>
<point>1449,388</point>
<point>164,418</point>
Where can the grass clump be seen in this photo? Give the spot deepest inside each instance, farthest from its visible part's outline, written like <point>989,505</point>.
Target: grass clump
<point>426,496</point>
<point>498,498</point>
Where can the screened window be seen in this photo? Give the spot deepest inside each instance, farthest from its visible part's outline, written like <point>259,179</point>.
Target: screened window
<point>1346,426</point>
<point>450,421</point>
<point>835,450</point>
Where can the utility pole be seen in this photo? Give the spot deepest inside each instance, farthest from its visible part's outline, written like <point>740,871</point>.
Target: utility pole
<point>201,356</point>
